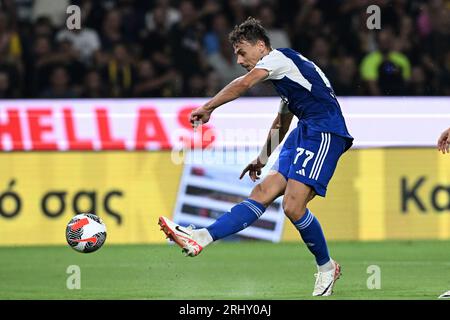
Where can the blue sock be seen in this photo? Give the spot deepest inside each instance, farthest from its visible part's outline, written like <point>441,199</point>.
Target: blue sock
<point>238,218</point>
<point>311,232</point>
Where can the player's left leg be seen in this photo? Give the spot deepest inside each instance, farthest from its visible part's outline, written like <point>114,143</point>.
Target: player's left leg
<point>312,167</point>
<point>296,199</point>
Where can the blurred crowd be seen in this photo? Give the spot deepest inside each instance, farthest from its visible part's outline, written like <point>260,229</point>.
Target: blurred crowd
<point>171,48</point>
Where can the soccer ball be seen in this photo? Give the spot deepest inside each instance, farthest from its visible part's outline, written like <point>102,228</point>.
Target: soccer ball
<point>86,233</point>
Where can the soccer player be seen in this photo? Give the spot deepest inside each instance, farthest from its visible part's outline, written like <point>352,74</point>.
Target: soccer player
<point>306,161</point>
<point>444,141</point>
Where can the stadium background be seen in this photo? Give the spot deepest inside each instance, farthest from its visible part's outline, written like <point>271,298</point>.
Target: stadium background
<point>147,63</point>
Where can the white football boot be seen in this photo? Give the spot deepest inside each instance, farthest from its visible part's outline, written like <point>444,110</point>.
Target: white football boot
<point>325,281</point>
<point>182,236</point>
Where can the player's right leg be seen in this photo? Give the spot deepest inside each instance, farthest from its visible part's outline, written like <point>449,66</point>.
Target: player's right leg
<point>238,218</point>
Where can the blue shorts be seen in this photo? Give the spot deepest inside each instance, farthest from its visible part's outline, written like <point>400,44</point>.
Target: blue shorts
<point>311,157</point>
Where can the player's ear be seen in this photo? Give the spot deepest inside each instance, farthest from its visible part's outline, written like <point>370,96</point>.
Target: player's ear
<point>261,46</point>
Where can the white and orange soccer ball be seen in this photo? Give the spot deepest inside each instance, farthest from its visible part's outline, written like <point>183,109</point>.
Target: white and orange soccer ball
<point>86,233</point>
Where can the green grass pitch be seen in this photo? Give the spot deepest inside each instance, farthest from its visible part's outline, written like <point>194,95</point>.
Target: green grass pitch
<point>245,270</point>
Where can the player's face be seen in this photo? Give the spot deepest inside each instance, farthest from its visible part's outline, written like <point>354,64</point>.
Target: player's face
<point>249,54</point>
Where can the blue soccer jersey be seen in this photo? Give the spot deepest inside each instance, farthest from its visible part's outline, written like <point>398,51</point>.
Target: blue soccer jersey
<point>306,90</point>
<point>312,150</point>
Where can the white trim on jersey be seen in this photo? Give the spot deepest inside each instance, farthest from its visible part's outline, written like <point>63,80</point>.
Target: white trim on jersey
<point>280,66</point>
<point>319,152</point>
<point>321,155</point>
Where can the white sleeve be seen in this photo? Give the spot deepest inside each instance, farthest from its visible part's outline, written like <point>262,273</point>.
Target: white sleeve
<point>276,64</point>
<point>283,108</point>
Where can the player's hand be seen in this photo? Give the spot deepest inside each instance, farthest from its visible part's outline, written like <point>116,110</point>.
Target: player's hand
<point>444,141</point>
<point>199,116</point>
<point>253,169</point>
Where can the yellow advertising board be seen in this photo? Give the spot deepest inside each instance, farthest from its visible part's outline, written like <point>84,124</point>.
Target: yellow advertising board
<point>375,194</point>
<point>128,190</point>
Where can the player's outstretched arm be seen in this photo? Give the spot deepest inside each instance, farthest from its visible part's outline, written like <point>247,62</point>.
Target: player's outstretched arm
<point>232,91</point>
<point>278,130</point>
<point>444,141</point>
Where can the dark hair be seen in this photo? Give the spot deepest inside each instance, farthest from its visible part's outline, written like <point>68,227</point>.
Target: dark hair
<point>250,30</point>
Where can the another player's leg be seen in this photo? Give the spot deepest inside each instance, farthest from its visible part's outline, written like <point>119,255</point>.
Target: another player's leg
<point>238,218</point>
<point>296,198</point>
